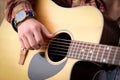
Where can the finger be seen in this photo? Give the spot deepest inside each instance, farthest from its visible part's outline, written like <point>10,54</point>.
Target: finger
<point>38,36</point>
<point>46,32</point>
<point>26,42</point>
<point>22,43</point>
<point>32,41</point>
<point>23,53</point>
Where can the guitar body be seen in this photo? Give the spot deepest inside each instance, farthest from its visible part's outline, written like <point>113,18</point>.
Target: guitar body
<point>80,23</point>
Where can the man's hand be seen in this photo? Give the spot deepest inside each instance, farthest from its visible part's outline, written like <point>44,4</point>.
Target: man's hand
<point>32,35</point>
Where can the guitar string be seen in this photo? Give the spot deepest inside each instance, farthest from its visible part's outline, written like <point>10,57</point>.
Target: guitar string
<point>79,45</point>
<point>58,51</point>
<point>62,42</point>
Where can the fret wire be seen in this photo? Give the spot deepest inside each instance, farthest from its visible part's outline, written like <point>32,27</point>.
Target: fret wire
<point>103,59</point>
<point>79,47</point>
<point>92,49</point>
<point>105,55</point>
<point>119,54</point>
<point>113,61</point>
<point>111,57</point>
<point>76,53</point>
<point>74,50</point>
<point>117,58</point>
<point>92,53</point>
<point>69,50</point>
<point>88,51</point>
<point>97,52</point>
<point>85,53</point>
<point>79,50</point>
<point>101,49</point>
<point>82,50</point>
<point>108,49</point>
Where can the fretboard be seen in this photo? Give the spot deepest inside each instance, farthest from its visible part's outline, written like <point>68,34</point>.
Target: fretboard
<point>94,52</point>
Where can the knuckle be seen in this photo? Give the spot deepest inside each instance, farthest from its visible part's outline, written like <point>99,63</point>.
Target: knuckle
<point>35,27</point>
<point>27,32</point>
<point>33,45</point>
<point>38,41</point>
<point>27,47</point>
<point>41,42</point>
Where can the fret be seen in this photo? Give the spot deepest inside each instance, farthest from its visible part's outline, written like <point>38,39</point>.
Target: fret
<point>86,51</point>
<point>81,53</point>
<point>72,49</point>
<point>88,48</point>
<point>74,45</point>
<point>114,51</point>
<point>97,48</point>
<point>78,50</point>
<point>90,52</point>
<point>112,56</point>
<point>109,54</point>
<point>93,52</point>
<point>78,47</point>
<point>105,56</point>
<point>69,53</point>
<point>102,57</point>
<point>117,56</point>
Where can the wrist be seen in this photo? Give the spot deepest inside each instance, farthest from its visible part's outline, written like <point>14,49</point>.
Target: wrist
<point>20,17</point>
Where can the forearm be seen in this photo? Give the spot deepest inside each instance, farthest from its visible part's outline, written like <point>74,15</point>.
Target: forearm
<point>13,6</point>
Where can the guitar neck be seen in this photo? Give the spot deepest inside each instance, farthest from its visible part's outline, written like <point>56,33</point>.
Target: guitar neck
<point>94,52</point>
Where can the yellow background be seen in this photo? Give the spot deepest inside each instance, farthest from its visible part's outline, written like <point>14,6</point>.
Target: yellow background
<point>9,55</point>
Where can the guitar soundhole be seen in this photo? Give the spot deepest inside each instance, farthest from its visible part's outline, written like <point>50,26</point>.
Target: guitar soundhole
<point>58,47</point>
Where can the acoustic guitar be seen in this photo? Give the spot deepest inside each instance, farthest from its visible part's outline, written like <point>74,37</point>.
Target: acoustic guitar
<point>78,32</point>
